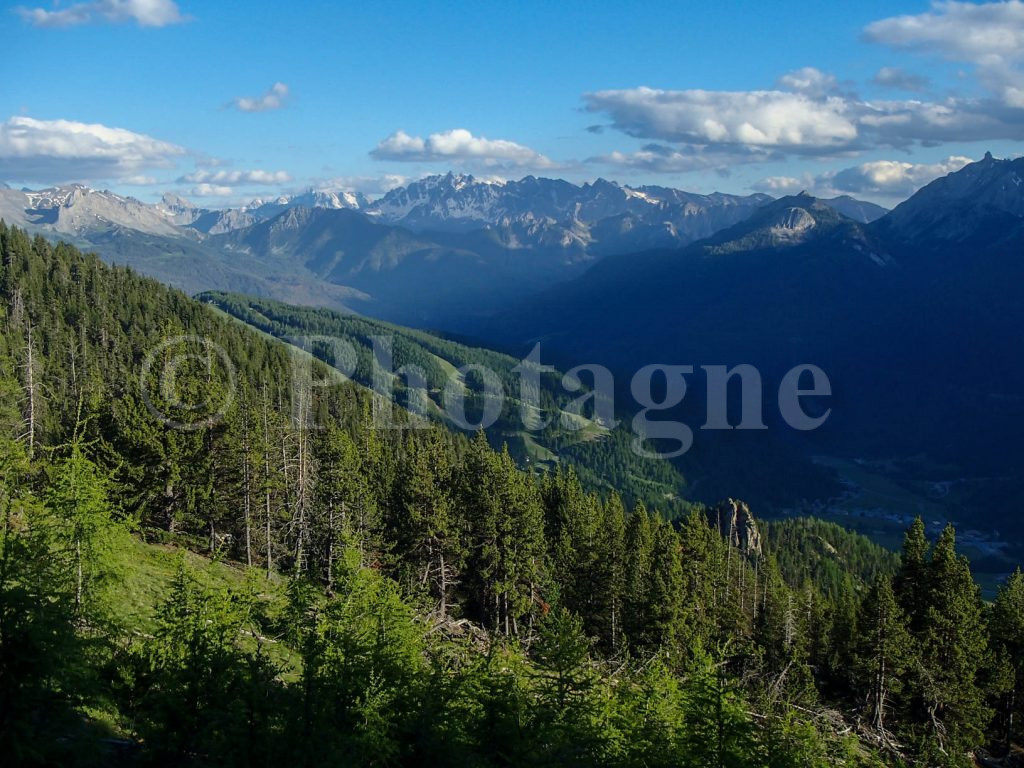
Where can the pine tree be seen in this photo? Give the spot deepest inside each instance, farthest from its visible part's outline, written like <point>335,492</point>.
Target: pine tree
<point>77,493</point>
<point>882,656</point>
<point>430,533</point>
<point>566,689</point>
<point>637,609</point>
<point>507,564</point>
<point>718,732</point>
<point>1007,626</point>
<point>665,594</point>
<point>40,652</point>
<point>574,528</point>
<point>911,584</point>
<point>521,572</point>
<point>346,507</point>
<point>612,561</point>
<point>954,648</point>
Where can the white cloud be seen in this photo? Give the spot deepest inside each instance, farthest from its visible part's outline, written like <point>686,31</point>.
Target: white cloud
<point>655,158</point>
<point>145,13</point>
<point>891,178</point>
<point>65,150</point>
<point>895,77</point>
<point>274,98</point>
<point>211,190</point>
<point>235,178</point>
<point>139,181</point>
<point>662,158</point>
<point>460,146</point>
<point>764,119</point>
<point>887,180</point>
<point>783,185</point>
<point>988,35</point>
<point>367,185</point>
<point>808,114</point>
<point>808,80</point>
<point>784,123</point>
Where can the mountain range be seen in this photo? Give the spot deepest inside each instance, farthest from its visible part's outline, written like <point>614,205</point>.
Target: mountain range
<point>477,244</point>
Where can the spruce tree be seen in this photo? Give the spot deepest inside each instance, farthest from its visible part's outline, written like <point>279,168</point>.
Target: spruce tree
<point>911,584</point>
<point>954,649</point>
<point>637,609</point>
<point>430,533</point>
<point>77,493</point>
<point>883,653</point>
<point>612,559</point>
<point>1007,628</point>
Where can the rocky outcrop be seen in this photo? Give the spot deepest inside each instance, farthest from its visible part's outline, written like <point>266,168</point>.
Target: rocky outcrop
<point>736,523</point>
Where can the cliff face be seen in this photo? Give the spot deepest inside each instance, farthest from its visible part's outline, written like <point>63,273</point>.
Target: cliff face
<point>736,523</point>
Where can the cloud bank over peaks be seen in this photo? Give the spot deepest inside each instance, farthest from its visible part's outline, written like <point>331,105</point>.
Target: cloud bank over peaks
<point>773,125</point>
<point>754,119</point>
<point>49,151</point>
<point>459,146</point>
<point>893,178</point>
<point>229,179</point>
<point>889,180</point>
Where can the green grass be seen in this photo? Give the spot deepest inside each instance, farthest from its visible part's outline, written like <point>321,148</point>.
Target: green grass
<point>143,577</point>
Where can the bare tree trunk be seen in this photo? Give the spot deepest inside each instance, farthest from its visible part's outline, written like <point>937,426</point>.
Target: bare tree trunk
<point>880,692</point>
<point>443,577</point>
<point>790,630</point>
<point>266,479</point>
<point>615,616</point>
<point>330,546</point>
<point>302,482</point>
<point>286,487</point>
<point>79,574</point>
<point>728,557</point>
<point>30,390</point>
<point>246,487</point>
<point>753,614</point>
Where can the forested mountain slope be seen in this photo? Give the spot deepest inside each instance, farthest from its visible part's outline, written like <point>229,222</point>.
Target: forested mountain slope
<point>602,453</point>
<point>410,597</point>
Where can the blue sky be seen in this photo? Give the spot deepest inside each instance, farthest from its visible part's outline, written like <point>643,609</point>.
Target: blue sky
<point>227,101</point>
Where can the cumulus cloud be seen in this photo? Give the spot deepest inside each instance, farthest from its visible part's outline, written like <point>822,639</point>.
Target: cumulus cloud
<point>367,185</point>
<point>798,123</point>
<point>888,180</point>
<point>783,185</point>
<point>274,98</point>
<point>145,13</point>
<point>988,35</point>
<point>139,181</point>
<point>64,150</point>
<point>226,178</point>
<point>900,79</point>
<point>458,146</point>
<point>892,178</point>
<point>766,119</point>
<point>661,158</point>
<point>808,114</point>
<point>211,190</point>
<point>809,80</point>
